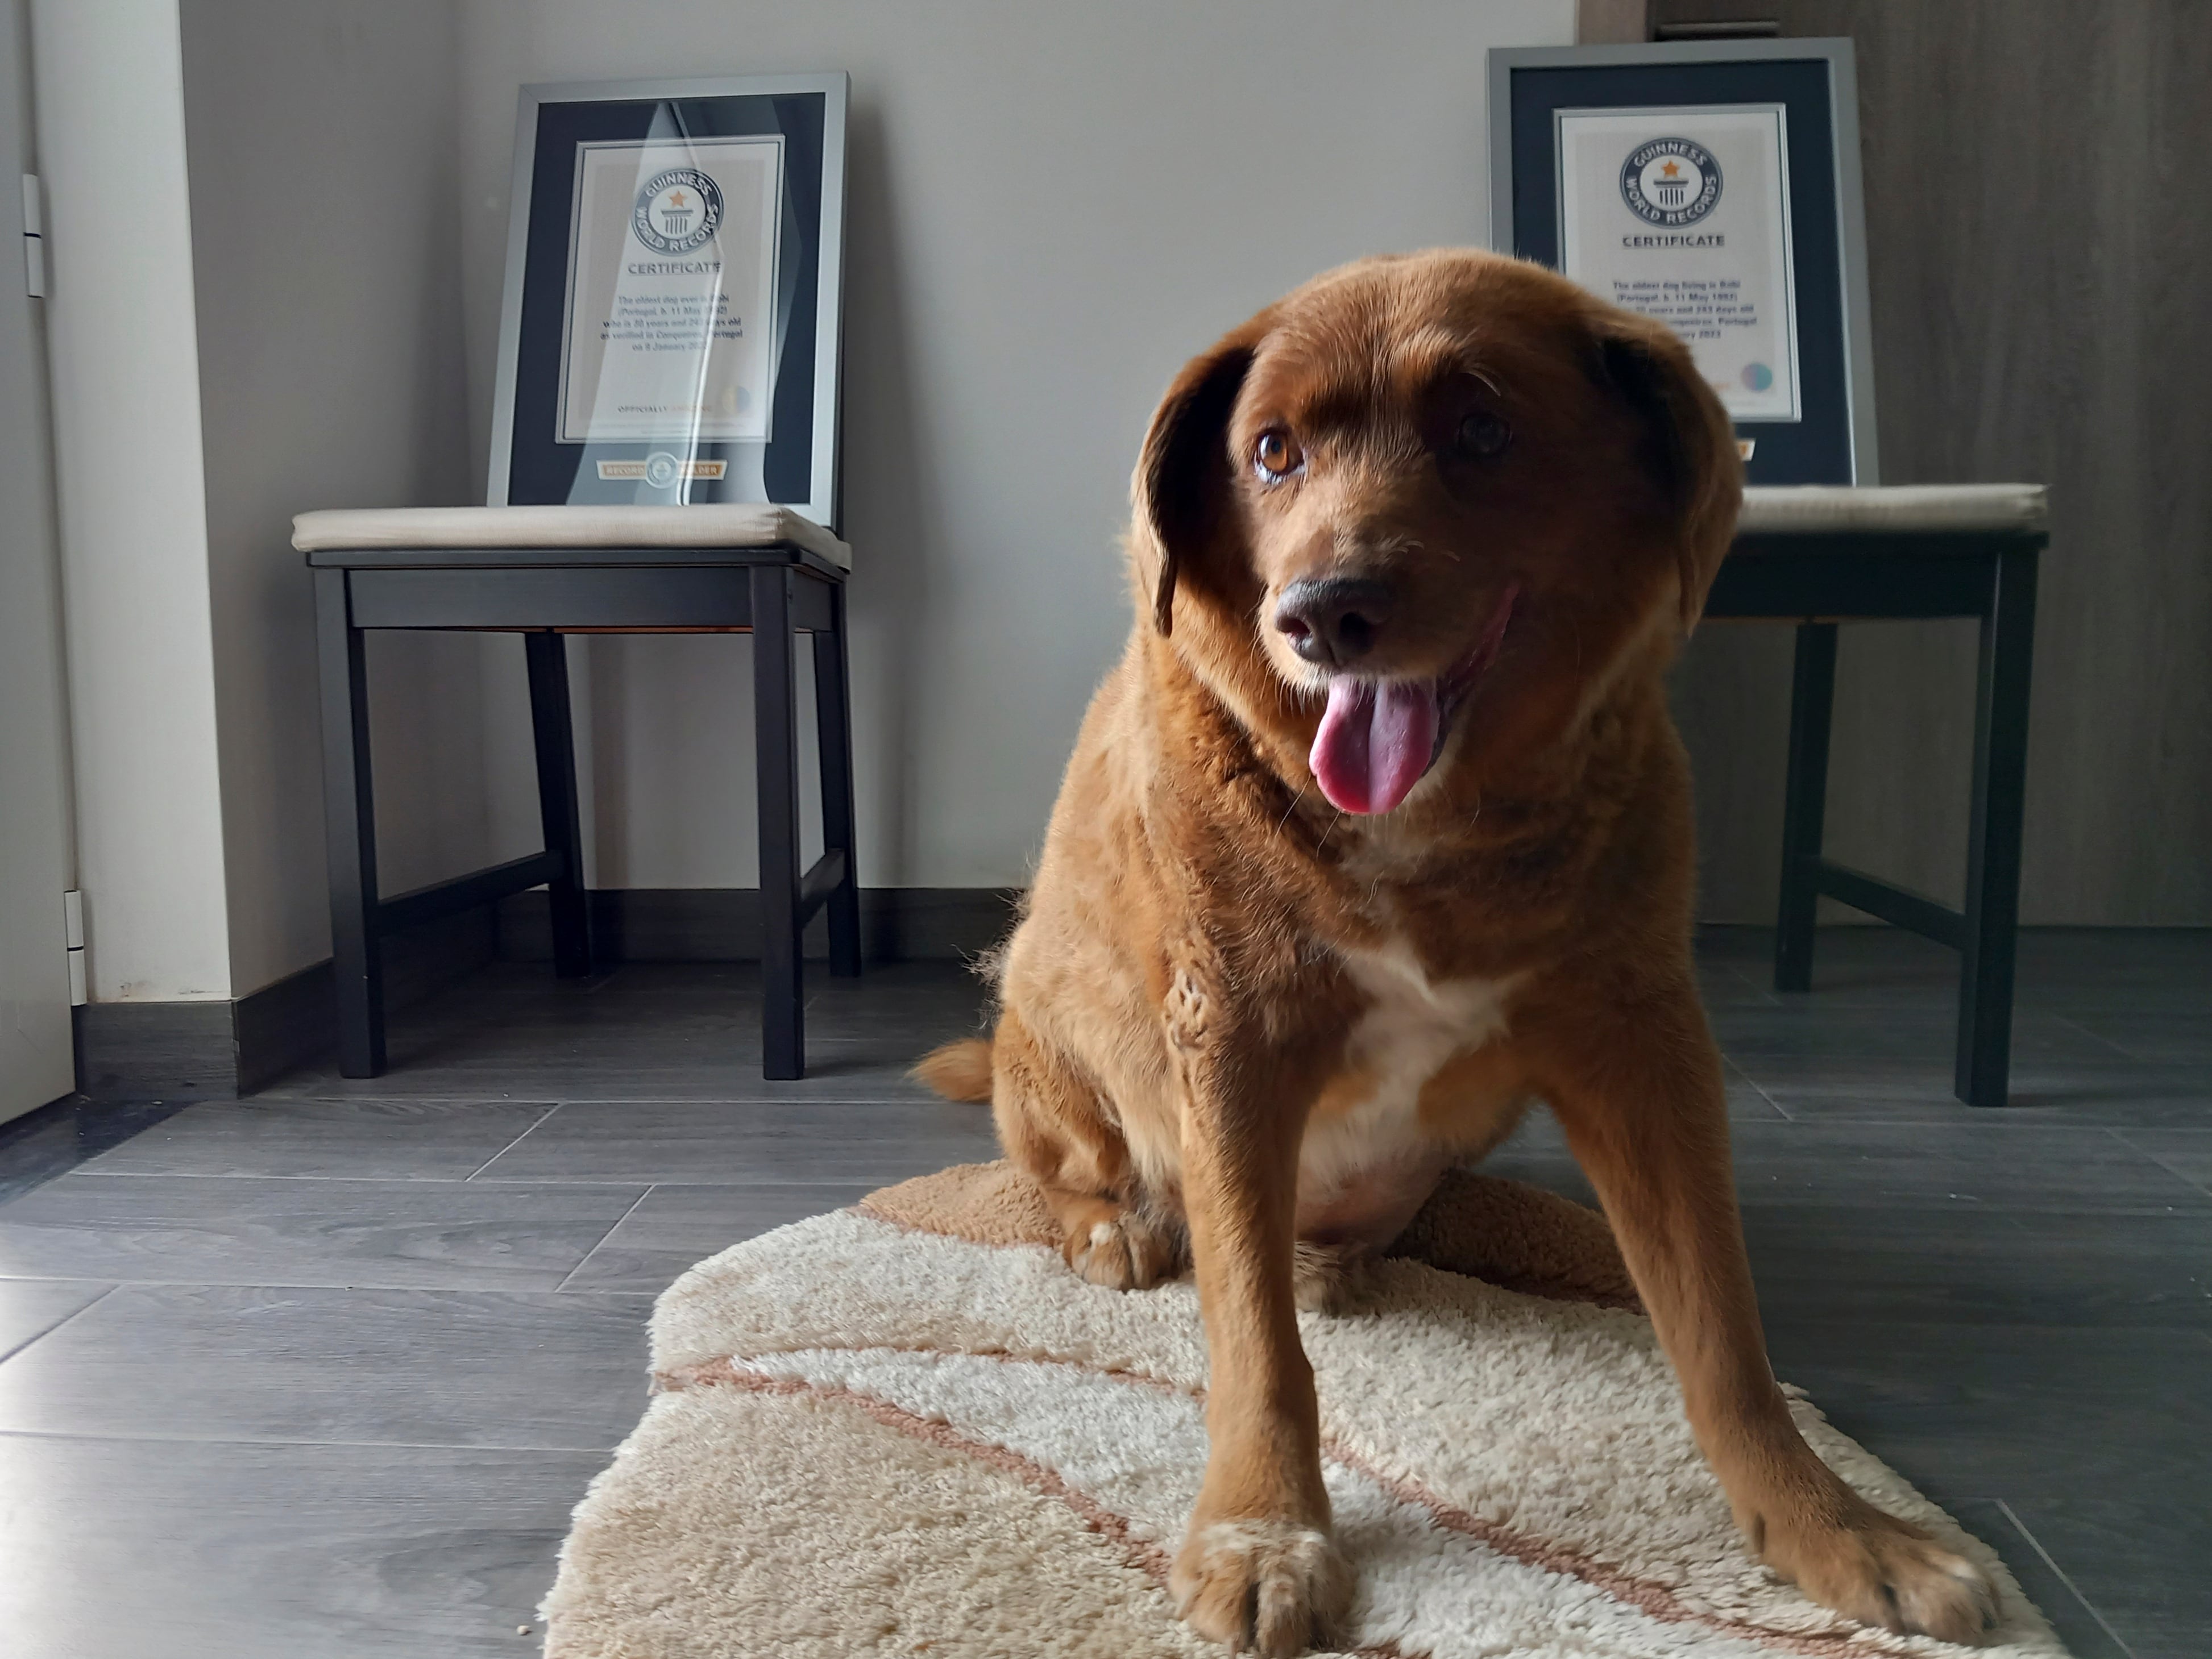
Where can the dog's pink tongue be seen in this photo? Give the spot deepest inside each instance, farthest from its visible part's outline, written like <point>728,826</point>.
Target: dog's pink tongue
<point>1374,744</point>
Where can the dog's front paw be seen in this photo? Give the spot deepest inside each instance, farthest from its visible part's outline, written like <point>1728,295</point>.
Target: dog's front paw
<point>1886,1572</point>
<point>1124,1251</point>
<point>1272,1586</point>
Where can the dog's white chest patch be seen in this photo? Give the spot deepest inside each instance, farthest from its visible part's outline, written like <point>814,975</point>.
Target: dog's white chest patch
<point>1413,1026</point>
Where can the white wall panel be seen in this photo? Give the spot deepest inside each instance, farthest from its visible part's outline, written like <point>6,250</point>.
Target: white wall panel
<point>107,85</point>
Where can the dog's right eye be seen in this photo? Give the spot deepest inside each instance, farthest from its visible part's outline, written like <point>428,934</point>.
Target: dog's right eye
<point>1276,456</point>
<point>1484,434</point>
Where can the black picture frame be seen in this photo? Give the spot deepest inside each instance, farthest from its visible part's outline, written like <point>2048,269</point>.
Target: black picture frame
<point>1833,440</point>
<point>797,466</point>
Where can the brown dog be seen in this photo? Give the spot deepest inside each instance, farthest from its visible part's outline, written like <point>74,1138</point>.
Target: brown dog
<point>1379,830</point>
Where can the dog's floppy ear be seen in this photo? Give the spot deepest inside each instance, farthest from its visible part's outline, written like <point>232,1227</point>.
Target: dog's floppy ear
<point>1687,443</point>
<point>1183,473</point>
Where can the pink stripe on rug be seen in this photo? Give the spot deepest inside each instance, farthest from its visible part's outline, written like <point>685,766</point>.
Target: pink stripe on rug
<point>1147,1557</point>
<point>1652,1599</point>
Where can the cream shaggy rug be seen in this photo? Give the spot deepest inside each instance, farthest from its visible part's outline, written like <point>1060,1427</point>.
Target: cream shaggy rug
<point>907,1429</point>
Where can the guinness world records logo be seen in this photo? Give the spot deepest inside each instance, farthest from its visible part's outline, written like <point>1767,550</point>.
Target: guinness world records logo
<point>677,211</point>
<point>1670,181</point>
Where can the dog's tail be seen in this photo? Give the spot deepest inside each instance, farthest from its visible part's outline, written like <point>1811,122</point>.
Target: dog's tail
<point>958,1071</point>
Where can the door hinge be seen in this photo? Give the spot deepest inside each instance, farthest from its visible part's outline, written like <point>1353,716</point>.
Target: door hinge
<point>34,238</point>
<point>73,936</point>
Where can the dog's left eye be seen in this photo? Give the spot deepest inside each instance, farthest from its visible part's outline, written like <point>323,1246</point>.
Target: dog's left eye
<point>1484,434</point>
<point>1276,456</point>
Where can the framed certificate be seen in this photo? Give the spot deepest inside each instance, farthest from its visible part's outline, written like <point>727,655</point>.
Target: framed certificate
<point>675,268</point>
<point>1715,187</point>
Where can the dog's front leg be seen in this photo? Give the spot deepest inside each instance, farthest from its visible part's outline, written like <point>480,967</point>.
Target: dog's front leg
<point>1645,1111</point>
<point>1258,1568</point>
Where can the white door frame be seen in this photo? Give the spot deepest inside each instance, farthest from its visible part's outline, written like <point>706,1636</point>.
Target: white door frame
<point>37,1064</point>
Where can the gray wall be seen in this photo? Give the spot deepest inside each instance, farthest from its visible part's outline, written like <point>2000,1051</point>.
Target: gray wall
<point>2038,231</point>
<point>1052,206</point>
<point>321,147</point>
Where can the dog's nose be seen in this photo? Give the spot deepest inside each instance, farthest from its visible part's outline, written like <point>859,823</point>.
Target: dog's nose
<point>1334,620</point>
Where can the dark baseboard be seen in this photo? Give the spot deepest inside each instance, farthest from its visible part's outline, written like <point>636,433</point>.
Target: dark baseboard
<point>157,1051</point>
<point>723,924</point>
<point>182,1051</point>
<point>219,1050</point>
<point>282,1025</point>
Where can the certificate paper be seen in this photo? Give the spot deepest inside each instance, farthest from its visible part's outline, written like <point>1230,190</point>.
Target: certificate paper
<point>1682,214</point>
<point>669,324</point>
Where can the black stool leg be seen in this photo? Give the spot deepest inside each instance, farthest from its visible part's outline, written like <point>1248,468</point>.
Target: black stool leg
<point>1985,979</point>
<point>775,736</point>
<point>833,720</point>
<point>1805,804</point>
<point>349,830</point>
<point>551,725</point>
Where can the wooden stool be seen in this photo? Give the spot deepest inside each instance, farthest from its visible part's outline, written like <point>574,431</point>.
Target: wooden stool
<point>544,572</point>
<point>1820,556</point>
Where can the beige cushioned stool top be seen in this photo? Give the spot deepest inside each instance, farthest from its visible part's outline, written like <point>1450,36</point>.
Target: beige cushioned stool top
<point>1895,509</point>
<point>1804,509</point>
<point>719,524</point>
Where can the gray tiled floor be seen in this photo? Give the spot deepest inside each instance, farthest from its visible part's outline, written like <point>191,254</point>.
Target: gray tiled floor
<point>322,1373</point>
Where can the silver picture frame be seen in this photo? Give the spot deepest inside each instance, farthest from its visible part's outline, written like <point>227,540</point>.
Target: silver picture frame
<point>822,496</point>
<point>1837,56</point>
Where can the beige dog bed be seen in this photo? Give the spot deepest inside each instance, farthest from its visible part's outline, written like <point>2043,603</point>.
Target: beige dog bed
<point>907,1429</point>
